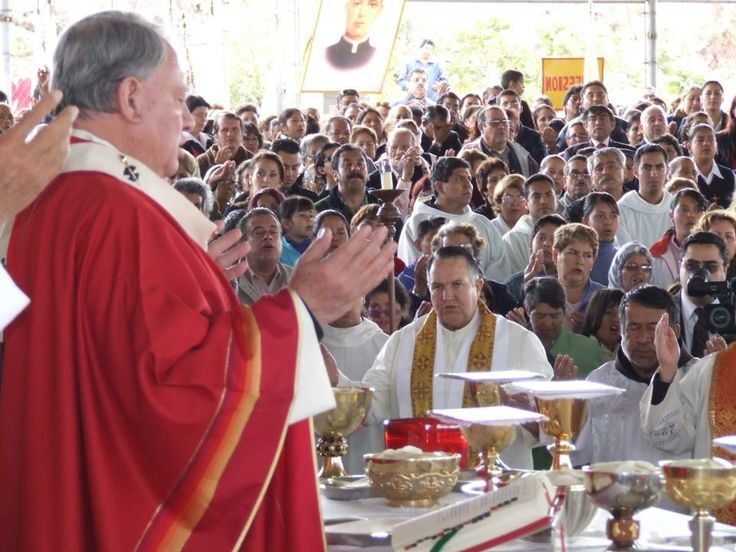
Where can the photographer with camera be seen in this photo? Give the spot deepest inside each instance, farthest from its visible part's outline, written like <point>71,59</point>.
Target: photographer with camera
<point>702,276</point>
<point>682,414</point>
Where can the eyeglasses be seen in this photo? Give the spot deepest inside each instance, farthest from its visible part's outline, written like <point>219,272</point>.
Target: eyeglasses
<point>575,175</point>
<point>635,267</point>
<point>508,198</point>
<point>498,124</point>
<point>711,266</point>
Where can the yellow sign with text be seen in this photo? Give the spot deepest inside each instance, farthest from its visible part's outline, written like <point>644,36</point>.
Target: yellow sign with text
<point>559,74</point>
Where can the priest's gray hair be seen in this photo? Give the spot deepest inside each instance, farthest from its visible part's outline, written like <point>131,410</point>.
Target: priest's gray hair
<point>95,54</point>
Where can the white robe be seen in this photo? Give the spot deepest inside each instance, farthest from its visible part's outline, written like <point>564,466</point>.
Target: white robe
<point>680,424</point>
<point>613,430</point>
<point>518,244</point>
<point>355,349</point>
<point>641,221</point>
<point>515,348</point>
<point>492,257</point>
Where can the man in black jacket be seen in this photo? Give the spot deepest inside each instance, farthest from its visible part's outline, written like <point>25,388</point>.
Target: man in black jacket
<point>526,137</point>
<point>600,122</point>
<point>715,182</point>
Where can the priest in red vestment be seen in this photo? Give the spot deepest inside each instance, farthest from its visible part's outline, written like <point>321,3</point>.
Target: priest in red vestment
<point>141,407</point>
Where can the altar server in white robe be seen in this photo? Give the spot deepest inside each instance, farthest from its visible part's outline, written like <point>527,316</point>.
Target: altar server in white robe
<point>458,335</point>
<point>612,430</point>
<point>453,189</point>
<point>354,342</point>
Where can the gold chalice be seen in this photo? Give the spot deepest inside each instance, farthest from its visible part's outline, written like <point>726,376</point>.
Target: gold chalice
<point>702,484</point>
<point>353,404</point>
<point>565,405</point>
<point>623,488</point>
<point>565,417</point>
<point>489,430</point>
<point>489,441</point>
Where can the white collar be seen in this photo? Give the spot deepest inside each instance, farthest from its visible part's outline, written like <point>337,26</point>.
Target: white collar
<point>463,332</point>
<point>688,307</point>
<point>98,155</point>
<point>714,171</point>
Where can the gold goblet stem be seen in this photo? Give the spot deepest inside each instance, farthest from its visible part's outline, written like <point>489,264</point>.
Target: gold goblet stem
<point>332,447</point>
<point>332,467</point>
<point>488,463</point>
<point>560,452</point>
<point>622,530</point>
<point>701,530</point>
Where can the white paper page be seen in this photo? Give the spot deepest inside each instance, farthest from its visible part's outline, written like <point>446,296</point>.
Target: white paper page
<point>12,299</point>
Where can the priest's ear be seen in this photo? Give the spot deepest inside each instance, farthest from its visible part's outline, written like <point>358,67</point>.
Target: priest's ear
<point>479,283</point>
<point>676,329</point>
<point>130,98</point>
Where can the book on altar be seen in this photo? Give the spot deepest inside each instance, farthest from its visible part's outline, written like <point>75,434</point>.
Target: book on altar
<point>522,508</point>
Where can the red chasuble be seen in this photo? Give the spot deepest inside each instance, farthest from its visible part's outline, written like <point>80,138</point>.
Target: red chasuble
<point>141,407</point>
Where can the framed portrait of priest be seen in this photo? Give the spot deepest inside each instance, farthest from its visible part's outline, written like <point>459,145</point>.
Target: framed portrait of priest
<point>351,45</point>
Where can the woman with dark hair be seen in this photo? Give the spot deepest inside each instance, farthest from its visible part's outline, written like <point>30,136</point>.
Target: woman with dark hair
<point>292,124</point>
<point>252,138</point>
<point>726,140</point>
<point>542,115</point>
<point>488,175</point>
<point>602,322</point>
<point>196,141</point>
<point>698,118</point>
<point>470,123</point>
<point>372,119</point>
<point>377,306</point>
<point>325,177</point>
<point>270,198</point>
<point>336,223</point>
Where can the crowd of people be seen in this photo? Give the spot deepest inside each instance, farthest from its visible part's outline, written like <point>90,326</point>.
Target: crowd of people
<point>557,241</point>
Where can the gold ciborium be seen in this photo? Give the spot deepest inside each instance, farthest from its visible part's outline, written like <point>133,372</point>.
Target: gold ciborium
<point>565,417</point>
<point>623,488</point>
<point>701,484</point>
<point>353,404</point>
<point>415,479</point>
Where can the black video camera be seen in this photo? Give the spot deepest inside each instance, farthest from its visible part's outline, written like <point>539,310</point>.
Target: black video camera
<point>721,318</point>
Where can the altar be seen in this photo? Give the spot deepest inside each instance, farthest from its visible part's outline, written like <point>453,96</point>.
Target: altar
<point>372,520</point>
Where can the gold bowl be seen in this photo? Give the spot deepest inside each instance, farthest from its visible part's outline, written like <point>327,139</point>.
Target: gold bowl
<point>701,483</point>
<point>418,480</point>
<point>353,404</point>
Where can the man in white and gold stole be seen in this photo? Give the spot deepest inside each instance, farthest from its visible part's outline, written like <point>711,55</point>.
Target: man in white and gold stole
<point>458,335</point>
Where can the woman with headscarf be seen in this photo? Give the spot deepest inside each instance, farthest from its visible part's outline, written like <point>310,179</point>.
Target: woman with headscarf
<point>631,267</point>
